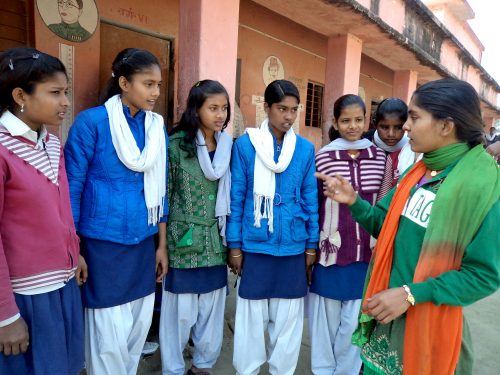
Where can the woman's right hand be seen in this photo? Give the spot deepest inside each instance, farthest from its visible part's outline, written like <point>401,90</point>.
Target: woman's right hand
<point>14,338</point>
<point>82,271</point>
<point>338,188</point>
<point>235,261</point>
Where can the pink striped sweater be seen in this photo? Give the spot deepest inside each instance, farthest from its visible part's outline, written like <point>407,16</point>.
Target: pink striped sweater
<point>342,240</point>
<point>38,245</point>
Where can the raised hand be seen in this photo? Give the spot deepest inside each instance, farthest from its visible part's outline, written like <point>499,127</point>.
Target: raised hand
<point>338,188</point>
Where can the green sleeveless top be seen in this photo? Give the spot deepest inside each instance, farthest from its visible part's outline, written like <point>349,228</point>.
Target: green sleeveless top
<point>192,230</point>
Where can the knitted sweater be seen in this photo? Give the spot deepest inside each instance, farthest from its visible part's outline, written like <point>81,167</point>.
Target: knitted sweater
<point>39,246</point>
<point>342,240</point>
<point>192,230</point>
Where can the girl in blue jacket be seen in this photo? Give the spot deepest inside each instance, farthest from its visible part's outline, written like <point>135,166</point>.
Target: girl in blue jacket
<point>116,157</point>
<point>272,234</point>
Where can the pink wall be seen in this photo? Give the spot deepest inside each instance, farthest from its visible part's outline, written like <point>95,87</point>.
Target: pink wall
<point>301,51</point>
<point>155,16</point>
<point>342,73</point>
<point>459,29</point>
<point>393,13</point>
<point>365,3</point>
<point>208,42</point>
<point>86,64</point>
<point>405,83</point>
<point>377,82</point>
<point>161,16</point>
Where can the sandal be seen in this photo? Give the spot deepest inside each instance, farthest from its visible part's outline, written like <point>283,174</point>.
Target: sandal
<point>201,371</point>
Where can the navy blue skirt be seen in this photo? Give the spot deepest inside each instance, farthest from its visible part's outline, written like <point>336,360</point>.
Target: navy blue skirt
<point>266,276</point>
<point>195,280</point>
<point>55,324</point>
<point>341,283</point>
<point>118,273</point>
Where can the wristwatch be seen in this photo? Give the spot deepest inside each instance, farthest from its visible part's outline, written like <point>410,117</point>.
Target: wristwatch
<point>410,299</point>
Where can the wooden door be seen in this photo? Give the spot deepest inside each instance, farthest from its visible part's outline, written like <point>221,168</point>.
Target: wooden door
<point>115,38</point>
<point>13,24</point>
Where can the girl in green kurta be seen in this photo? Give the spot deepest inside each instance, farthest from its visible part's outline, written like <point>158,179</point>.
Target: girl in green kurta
<point>437,246</point>
<point>198,190</point>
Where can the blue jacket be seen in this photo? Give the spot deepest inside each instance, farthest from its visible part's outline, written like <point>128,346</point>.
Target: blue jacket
<point>107,198</point>
<point>295,203</point>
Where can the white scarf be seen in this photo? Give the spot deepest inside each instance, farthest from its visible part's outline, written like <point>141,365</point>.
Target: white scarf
<point>342,144</point>
<point>264,181</point>
<point>490,137</point>
<point>152,160</point>
<point>380,143</point>
<point>218,169</point>
<point>406,158</point>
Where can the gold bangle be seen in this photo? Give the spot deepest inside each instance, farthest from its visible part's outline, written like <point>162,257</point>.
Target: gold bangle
<point>310,253</point>
<point>235,256</point>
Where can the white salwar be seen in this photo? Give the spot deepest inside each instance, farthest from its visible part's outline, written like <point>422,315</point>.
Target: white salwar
<point>283,319</point>
<point>331,325</point>
<point>202,315</point>
<point>115,336</point>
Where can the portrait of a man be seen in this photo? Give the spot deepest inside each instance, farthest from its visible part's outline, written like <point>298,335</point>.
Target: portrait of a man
<point>272,70</point>
<point>75,18</point>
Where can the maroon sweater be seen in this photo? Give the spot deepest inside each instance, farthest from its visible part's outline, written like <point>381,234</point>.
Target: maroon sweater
<point>38,243</point>
<point>349,241</point>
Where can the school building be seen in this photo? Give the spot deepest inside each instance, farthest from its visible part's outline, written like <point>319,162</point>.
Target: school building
<point>374,48</point>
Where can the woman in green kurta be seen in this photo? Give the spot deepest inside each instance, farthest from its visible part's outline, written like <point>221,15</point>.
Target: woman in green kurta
<point>437,244</point>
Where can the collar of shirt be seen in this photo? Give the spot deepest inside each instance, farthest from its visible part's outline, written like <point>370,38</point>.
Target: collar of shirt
<point>139,116</point>
<point>137,126</point>
<point>17,128</point>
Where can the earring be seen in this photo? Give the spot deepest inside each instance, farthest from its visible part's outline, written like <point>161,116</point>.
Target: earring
<point>22,107</point>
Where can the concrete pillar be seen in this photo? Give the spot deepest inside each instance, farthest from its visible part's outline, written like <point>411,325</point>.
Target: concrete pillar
<point>404,84</point>
<point>208,45</point>
<point>342,70</point>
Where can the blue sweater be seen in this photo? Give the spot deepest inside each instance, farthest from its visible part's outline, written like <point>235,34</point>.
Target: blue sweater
<point>295,208</point>
<point>107,198</point>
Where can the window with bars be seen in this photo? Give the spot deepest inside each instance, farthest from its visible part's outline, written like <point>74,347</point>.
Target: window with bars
<point>314,104</point>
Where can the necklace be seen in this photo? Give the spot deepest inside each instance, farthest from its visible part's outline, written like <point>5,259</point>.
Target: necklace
<point>434,173</point>
<point>353,155</point>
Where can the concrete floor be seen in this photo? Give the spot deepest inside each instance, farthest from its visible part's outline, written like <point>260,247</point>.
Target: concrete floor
<point>482,318</point>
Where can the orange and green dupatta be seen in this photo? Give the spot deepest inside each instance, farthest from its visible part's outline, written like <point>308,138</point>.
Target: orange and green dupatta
<point>433,334</point>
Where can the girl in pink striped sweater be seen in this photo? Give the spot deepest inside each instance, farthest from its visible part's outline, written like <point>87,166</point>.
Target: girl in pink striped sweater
<point>344,247</point>
<point>41,320</point>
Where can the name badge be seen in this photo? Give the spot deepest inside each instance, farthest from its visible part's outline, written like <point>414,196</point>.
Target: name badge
<point>418,208</point>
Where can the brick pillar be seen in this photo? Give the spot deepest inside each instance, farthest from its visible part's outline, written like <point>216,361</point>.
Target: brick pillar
<point>342,70</point>
<point>208,45</point>
<point>404,84</point>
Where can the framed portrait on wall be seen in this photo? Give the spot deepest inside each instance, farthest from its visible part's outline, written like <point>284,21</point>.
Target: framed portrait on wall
<point>72,20</point>
<point>272,70</point>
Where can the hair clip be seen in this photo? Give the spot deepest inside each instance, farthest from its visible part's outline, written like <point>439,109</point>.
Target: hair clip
<point>11,64</point>
<point>281,89</point>
<point>36,56</point>
<point>113,74</point>
<point>198,84</point>
<point>125,58</point>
